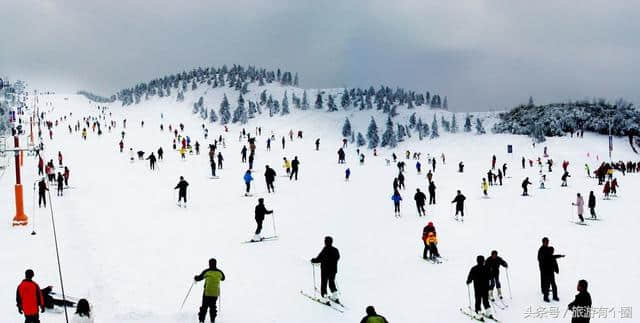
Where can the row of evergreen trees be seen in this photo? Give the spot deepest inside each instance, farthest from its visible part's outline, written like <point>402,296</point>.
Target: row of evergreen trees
<point>97,98</point>
<point>558,119</point>
<point>393,134</point>
<point>237,77</point>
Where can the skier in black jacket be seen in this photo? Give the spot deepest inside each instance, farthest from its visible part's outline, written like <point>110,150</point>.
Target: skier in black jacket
<point>479,275</point>
<point>459,201</point>
<point>592,204</point>
<point>525,184</point>
<point>420,199</point>
<point>493,263</point>
<point>182,190</point>
<point>152,161</point>
<point>401,180</point>
<point>581,305</point>
<point>260,212</point>
<point>295,164</point>
<point>42,190</point>
<point>543,253</point>
<point>328,260</point>
<point>269,177</point>
<point>432,193</point>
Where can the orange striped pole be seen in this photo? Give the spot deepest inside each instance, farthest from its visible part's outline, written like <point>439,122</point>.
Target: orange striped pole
<point>20,218</point>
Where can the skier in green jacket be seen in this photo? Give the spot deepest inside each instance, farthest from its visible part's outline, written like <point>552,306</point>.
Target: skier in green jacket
<point>373,317</point>
<point>212,277</point>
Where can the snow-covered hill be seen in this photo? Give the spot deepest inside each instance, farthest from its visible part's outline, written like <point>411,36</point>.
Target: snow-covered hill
<point>127,248</point>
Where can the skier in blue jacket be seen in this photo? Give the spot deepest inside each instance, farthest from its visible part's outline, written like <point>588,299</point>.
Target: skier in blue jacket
<point>396,202</point>
<point>247,181</point>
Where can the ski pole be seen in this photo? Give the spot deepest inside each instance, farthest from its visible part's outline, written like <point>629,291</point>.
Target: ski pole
<point>33,224</point>
<point>274,224</point>
<point>469,295</point>
<point>509,284</point>
<point>188,292</point>
<point>314,278</point>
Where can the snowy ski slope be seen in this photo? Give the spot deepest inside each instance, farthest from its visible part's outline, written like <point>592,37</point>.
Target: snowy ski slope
<point>127,248</point>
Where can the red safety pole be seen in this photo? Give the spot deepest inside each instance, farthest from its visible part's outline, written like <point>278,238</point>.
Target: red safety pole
<point>20,218</point>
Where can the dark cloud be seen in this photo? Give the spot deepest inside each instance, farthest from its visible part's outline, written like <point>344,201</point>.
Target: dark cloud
<point>481,54</point>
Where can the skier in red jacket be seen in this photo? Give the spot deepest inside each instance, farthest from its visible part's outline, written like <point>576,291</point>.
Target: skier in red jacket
<point>29,298</point>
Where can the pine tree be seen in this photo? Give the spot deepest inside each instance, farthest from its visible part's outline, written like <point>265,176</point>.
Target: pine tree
<point>467,123</point>
<point>389,136</point>
<point>454,123</point>
<point>331,104</point>
<point>346,99</point>
<point>295,80</point>
<point>285,104</point>
<point>531,101</point>
<point>360,140</point>
<point>445,105</point>
<point>225,114</point>
<point>212,116</point>
<point>479,127</point>
<point>434,128</point>
<point>401,133</point>
<point>420,128</point>
<point>263,97</point>
<point>180,96</point>
<point>372,134</point>
<point>412,120</point>
<point>252,110</point>
<point>319,103</point>
<point>194,85</point>
<point>305,101</point>
<point>240,112</point>
<point>346,128</point>
<point>445,124</point>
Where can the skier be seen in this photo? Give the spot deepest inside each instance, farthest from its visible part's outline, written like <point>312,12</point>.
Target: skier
<point>160,153</point>
<point>432,193</point>
<point>479,275</point>
<point>295,163</point>
<point>429,228</point>
<point>269,177</point>
<point>60,182</point>
<point>431,242</point>
<point>460,167</point>
<point>328,260</point>
<point>564,178</point>
<point>490,177</point>
<point>251,159</point>
<point>260,212</point>
<point>459,201</point>
<point>212,277</point>
<point>287,165</point>
<point>283,142</point>
<point>614,187</point>
<point>83,312</point>
<point>525,185</point>
<point>29,298</point>
<point>347,174</point>
<point>182,191</point>
<point>317,144</point>
<point>592,204</point>
<point>429,176</point>
<point>59,159</point>
<point>66,175</point>
<point>543,180</point>
<point>247,181</point>
<point>396,198</point>
<point>401,181</point>
<point>580,206</point>
<point>361,159</point>
<point>152,161</point>
<point>341,156</point>
<point>586,167</point>
<point>581,305</point>
<point>42,189</point>
<point>41,165</point>
<point>243,152</point>
<point>504,169</point>
<point>419,167</point>
<point>268,144</point>
<point>606,190</point>
<point>213,167</point>
<point>373,317</point>
<point>420,199</point>
<point>523,162</point>
<point>493,162</point>
<point>493,263</point>
<point>485,186</point>
<point>220,159</point>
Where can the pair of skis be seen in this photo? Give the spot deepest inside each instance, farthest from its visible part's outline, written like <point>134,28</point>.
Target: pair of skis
<point>481,317</point>
<point>263,239</point>
<point>335,305</point>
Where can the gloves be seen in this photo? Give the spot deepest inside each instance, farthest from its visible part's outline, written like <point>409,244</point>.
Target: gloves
<point>195,277</point>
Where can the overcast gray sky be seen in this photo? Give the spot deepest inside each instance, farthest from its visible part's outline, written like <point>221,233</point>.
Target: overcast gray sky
<point>481,54</point>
